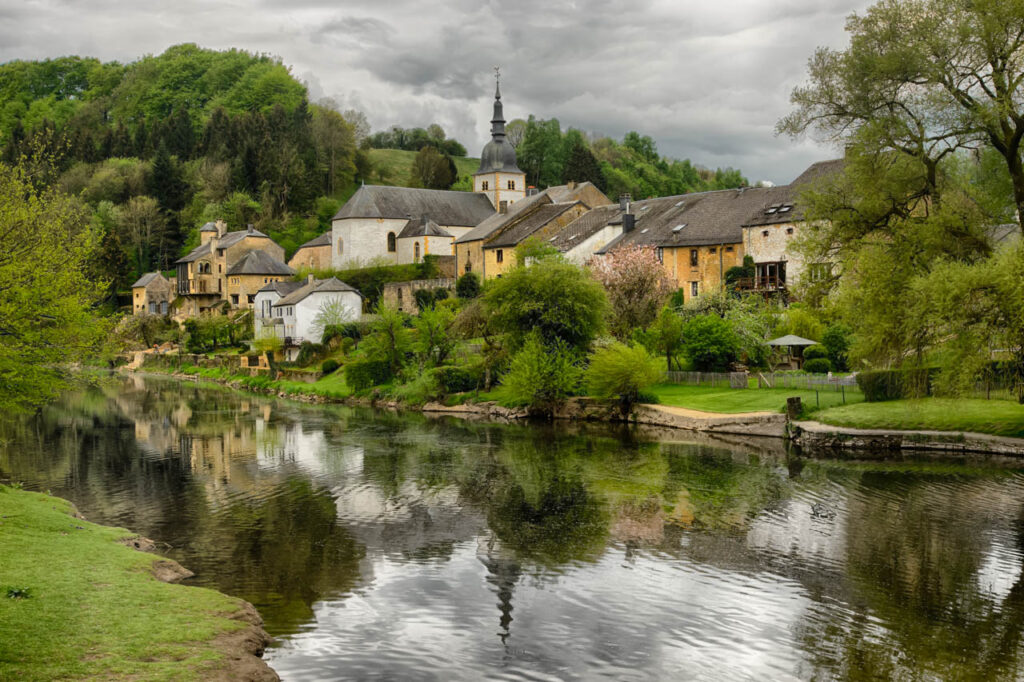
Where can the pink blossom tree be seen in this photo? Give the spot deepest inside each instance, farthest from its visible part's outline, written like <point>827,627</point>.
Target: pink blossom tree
<point>637,286</point>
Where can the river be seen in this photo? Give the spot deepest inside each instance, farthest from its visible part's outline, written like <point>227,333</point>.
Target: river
<point>398,546</point>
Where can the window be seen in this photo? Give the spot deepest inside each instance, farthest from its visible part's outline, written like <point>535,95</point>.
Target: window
<point>511,184</point>
<point>693,258</point>
<point>713,250</point>
<point>469,266</point>
<point>819,271</point>
<point>252,298</point>
<point>728,249</point>
<point>341,246</point>
<point>220,268</point>
<point>693,289</point>
<point>416,252</point>
<point>234,299</point>
<point>391,242</point>
<point>485,185</point>
<point>266,309</point>
<point>789,230</point>
<point>499,256</point>
<point>764,233</point>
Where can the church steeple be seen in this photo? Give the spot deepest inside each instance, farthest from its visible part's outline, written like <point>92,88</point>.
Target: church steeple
<point>498,120</point>
<point>499,177</point>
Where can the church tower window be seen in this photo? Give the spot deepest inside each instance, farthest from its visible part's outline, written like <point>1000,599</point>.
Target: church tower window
<point>511,184</point>
<point>391,243</point>
<point>485,185</point>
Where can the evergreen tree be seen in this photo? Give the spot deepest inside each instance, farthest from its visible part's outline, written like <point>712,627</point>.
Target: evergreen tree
<point>582,166</point>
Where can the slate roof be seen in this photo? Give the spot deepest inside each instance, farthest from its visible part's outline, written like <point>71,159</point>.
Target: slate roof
<point>322,240</point>
<point>259,263</point>
<point>783,205</point>
<point>282,288</point>
<point>704,218</point>
<point>146,279</point>
<point>499,220</point>
<point>208,227</point>
<point>229,239</point>
<point>533,222</point>
<point>423,227</point>
<point>463,209</point>
<point>791,340</point>
<point>317,285</point>
<point>587,225</point>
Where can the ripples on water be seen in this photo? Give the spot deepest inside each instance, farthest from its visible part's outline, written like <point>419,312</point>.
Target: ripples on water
<point>399,547</point>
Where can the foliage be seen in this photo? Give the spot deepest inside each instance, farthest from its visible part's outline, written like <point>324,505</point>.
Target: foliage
<point>556,299</point>
<point>815,352</point>
<point>756,321</point>
<point>739,272</point>
<point>434,341</point>
<point>416,139</point>
<point>389,339</point>
<point>710,343</point>
<point>141,330</point>
<point>894,384</point>
<point>837,341</point>
<point>542,375</point>
<point>309,353</point>
<point>665,336</point>
<point>347,330</point>
<point>332,313</point>
<point>582,166</point>
<point>468,286</point>
<point>426,298</point>
<point>622,372</point>
<point>268,342</point>
<point>637,286</point>
<point>330,366</point>
<point>452,379</point>
<point>49,283</point>
<point>371,278</point>
<point>432,169</point>
<point>819,365</point>
<point>364,373</point>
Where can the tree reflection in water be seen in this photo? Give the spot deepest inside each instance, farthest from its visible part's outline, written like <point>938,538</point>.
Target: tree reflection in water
<point>671,542</point>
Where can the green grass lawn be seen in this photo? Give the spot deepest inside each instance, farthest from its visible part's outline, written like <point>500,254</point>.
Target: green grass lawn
<point>396,165</point>
<point>732,401</point>
<point>93,610</point>
<point>997,417</point>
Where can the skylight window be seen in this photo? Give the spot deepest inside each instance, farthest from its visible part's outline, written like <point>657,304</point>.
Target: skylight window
<point>770,210</point>
<point>643,231</point>
<point>680,203</point>
<point>678,228</point>
<point>785,209</point>
<point>553,238</point>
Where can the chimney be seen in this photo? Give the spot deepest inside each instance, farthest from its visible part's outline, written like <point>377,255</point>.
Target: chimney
<point>503,207</point>
<point>572,185</point>
<point>531,190</point>
<point>250,228</point>
<point>222,227</point>
<point>624,202</point>
<point>628,222</point>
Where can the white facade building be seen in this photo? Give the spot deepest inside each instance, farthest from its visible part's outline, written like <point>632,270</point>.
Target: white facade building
<point>292,314</point>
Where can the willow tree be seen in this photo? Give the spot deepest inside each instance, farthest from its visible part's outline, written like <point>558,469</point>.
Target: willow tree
<point>48,285</point>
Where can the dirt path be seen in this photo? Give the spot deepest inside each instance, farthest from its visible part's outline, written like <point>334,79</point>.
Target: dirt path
<point>701,414</point>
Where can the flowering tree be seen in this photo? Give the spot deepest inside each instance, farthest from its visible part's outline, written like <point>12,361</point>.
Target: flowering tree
<point>637,286</point>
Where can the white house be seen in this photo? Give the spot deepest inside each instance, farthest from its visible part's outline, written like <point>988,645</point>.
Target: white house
<point>294,309</point>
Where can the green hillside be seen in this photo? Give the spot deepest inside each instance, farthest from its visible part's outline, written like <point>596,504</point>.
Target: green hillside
<point>394,167</point>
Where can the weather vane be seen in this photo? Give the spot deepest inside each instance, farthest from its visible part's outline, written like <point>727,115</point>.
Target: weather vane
<point>497,73</point>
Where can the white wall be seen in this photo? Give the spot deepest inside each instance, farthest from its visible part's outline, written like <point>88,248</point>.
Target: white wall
<point>308,308</point>
<point>497,184</point>
<point>258,316</point>
<point>363,240</point>
<point>439,246</point>
<point>581,253</point>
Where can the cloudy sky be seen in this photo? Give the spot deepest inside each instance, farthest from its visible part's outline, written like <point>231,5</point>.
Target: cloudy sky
<point>707,80</point>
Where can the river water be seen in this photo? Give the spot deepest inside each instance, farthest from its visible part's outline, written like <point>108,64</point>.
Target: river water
<point>390,546</point>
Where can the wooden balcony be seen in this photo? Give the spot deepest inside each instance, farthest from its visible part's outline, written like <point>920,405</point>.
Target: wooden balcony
<point>761,284</point>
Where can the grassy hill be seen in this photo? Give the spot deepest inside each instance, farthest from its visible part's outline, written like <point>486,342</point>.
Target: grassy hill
<point>393,167</point>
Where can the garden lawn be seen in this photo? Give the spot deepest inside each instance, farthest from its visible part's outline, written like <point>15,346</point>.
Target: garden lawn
<point>331,386</point>
<point>734,401</point>
<point>996,417</point>
<point>93,609</point>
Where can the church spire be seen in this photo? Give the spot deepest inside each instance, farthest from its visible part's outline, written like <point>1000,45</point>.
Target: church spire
<point>498,121</point>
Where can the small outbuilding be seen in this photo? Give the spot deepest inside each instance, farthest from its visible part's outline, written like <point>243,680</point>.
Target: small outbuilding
<point>794,346</point>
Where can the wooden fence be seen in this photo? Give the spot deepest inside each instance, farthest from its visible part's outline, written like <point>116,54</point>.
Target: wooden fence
<point>738,380</point>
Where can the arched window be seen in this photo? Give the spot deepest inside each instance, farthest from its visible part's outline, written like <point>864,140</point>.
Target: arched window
<point>341,246</point>
<point>391,242</point>
<point>485,185</point>
<point>511,184</point>
<point>416,252</point>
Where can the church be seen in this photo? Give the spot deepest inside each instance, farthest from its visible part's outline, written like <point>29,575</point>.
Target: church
<point>402,224</point>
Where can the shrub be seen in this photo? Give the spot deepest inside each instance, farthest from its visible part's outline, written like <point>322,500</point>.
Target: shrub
<point>894,384</point>
<point>330,366</point>
<point>347,344</point>
<point>710,343</point>
<point>541,376</point>
<point>419,389</point>
<point>308,353</point>
<point>622,372</point>
<point>837,340</point>
<point>468,286</point>
<point>424,299</point>
<point>815,352</point>
<point>818,366</point>
<point>365,373</point>
<point>458,379</point>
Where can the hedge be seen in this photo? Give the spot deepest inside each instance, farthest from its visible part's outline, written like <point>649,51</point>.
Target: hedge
<point>895,384</point>
<point>818,366</point>
<point>457,379</point>
<point>363,374</point>
<point>330,366</point>
<point>815,352</point>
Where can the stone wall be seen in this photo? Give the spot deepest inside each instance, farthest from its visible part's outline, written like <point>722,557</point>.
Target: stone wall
<point>401,294</point>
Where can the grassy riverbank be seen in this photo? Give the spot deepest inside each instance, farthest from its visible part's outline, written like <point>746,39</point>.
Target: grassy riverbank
<point>995,417</point>
<point>75,603</point>
<point>736,401</point>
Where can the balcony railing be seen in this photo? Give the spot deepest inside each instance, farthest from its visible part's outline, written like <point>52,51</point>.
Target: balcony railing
<point>205,285</point>
<point>293,340</point>
<point>767,283</point>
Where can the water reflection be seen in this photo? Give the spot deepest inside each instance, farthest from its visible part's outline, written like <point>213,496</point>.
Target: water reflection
<point>405,547</point>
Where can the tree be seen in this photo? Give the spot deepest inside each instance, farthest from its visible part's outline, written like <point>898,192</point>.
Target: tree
<point>582,166</point>
<point>542,375</point>
<point>332,313</point>
<point>924,78</point>
<point>389,340</point>
<point>468,286</point>
<point>540,152</point>
<point>434,341</point>
<point>433,170</point>
<point>637,286</point>
<point>622,372</point>
<point>666,336</point>
<point>555,299</point>
<point>356,119</point>
<point>514,132</point>
<point>143,224</point>
<point>710,343</point>
<point>49,283</point>
<point>335,148</point>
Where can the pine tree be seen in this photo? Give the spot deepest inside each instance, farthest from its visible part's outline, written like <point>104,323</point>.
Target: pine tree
<point>582,166</point>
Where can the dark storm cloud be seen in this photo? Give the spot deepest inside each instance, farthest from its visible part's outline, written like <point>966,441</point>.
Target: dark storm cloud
<point>706,81</point>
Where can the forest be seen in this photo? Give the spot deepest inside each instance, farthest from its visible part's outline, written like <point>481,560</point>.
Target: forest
<point>157,147</point>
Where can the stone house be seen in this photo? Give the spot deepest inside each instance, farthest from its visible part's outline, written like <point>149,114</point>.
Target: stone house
<point>202,274</point>
<point>293,317</point>
<point>153,294</point>
<point>313,255</point>
<point>251,273</point>
<point>402,295</point>
<point>500,249</point>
